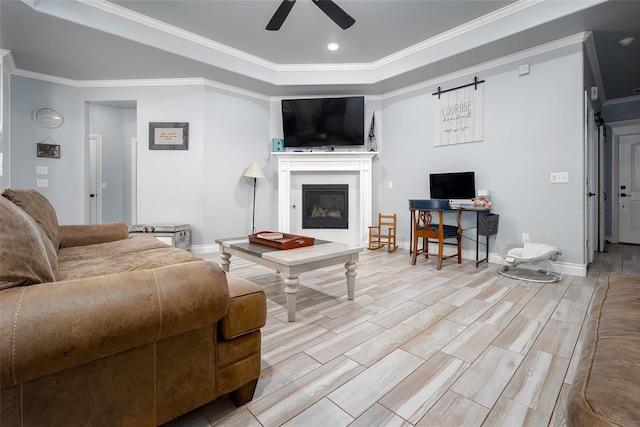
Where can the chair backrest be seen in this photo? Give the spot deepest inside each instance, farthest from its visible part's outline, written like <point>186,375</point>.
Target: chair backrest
<point>387,220</point>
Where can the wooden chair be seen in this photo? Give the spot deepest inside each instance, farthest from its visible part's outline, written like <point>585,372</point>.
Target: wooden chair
<point>383,234</point>
<point>425,227</point>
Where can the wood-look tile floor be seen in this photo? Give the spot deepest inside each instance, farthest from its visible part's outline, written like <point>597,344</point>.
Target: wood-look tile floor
<point>460,346</point>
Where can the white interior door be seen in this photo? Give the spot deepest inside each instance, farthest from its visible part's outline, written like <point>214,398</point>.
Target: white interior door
<point>601,190</point>
<point>95,179</point>
<point>590,183</point>
<point>629,189</point>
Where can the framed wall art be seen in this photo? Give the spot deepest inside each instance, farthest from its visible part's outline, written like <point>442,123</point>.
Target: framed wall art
<point>168,136</point>
<point>48,150</point>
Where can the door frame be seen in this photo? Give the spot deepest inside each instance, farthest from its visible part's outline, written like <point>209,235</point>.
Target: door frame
<point>590,183</point>
<point>97,169</point>
<point>618,129</point>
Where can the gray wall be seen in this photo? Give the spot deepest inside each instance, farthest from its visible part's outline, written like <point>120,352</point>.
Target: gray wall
<point>533,126</point>
<point>66,175</point>
<point>200,186</point>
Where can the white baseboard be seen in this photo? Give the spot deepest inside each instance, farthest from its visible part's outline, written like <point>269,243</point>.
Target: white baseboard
<point>494,258</point>
<point>204,249</point>
<point>467,254</point>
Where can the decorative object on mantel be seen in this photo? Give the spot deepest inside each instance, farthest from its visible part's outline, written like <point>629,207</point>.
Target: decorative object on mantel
<point>286,241</point>
<point>48,150</point>
<point>373,144</point>
<point>168,136</point>
<point>47,117</point>
<point>253,171</point>
<point>459,114</point>
<point>277,145</point>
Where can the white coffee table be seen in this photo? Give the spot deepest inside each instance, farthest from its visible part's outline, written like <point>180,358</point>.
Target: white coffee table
<point>292,262</point>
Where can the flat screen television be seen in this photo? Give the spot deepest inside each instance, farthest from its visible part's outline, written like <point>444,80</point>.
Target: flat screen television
<point>323,121</point>
<point>455,185</point>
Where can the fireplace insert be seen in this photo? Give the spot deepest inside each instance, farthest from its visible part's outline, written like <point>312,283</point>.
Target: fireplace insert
<point>325,206</point>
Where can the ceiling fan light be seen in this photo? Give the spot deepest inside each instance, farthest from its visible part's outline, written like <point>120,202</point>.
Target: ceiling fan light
<point>626,41</point>
<point>333,46</point>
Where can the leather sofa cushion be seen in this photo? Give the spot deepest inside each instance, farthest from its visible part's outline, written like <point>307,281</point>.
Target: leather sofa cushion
<point>39,208</point>
<point>26,258</point>
<point>141,252</point>
<point>247,308</point>
<point>607,380</point>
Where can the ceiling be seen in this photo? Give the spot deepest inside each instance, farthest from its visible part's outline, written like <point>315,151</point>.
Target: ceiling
<point>393,44</point>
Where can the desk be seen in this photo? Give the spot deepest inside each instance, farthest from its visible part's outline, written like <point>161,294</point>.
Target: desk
<point>489,223</point>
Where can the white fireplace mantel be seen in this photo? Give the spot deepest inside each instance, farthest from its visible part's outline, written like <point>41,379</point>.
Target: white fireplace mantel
<point>331,161</point>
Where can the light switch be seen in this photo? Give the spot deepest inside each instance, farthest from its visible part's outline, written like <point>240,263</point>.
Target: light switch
<point>42,170</point>
<point>42,182</point>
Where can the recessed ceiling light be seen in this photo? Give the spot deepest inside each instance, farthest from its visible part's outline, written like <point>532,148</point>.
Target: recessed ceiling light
<point>333,46</point>
<point>626,41</point>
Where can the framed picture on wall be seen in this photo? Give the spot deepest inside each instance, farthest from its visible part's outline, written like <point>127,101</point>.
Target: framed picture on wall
<point>48,150</point>
<point>168,136</point>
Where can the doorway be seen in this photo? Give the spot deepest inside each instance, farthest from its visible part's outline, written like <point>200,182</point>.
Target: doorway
<point>629,189</point>
<point>625,214</point>
<point>95,179</point>
<point>111,192</point>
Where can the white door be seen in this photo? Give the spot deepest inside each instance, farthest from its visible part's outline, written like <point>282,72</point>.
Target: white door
<point>601,190</point>
<point>590,184</point>
<point>629,189</point>
<point>95,179</point>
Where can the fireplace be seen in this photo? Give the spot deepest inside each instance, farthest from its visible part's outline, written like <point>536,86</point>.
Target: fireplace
<point>325,206</point>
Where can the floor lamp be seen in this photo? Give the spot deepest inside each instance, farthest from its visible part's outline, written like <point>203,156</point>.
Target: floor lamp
<point>253,171</point>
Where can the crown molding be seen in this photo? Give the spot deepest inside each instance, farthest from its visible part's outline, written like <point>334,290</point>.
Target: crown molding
<point>195,81</point>
<point>109,17</point>
<point>8,64</point>
<point>155,24</point>
<point>467,27</point>
<point>519,56</point>
<point>505,60</point>
<point>633,98</point>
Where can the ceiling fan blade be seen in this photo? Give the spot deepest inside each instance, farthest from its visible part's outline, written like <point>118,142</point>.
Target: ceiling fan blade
<point>336,13</point>
<point>281,14</point>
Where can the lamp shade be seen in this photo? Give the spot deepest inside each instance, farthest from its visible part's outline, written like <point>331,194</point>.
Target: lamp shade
<point>253,171</point>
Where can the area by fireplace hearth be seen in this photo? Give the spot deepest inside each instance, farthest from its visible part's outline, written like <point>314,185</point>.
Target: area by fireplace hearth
<point>325,206</point>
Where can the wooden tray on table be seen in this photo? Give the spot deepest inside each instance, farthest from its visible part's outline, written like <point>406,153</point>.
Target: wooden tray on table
<point>278,240</point>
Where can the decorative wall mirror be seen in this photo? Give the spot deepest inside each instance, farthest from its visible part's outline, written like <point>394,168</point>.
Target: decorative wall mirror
<point>47,117</point>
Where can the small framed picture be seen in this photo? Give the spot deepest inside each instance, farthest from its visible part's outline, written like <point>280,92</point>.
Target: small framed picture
<point>48,150</point>
<point>168,136</point>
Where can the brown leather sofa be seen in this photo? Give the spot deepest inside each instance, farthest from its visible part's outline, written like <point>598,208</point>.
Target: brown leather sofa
<point>606,388</point>
<point>100,329</point>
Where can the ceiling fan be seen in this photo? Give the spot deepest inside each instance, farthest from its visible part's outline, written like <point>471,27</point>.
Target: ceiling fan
<point>331,9</point>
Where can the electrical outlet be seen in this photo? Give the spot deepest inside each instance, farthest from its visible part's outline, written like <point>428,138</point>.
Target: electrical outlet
<point>42,182</point>
<point>559,177</point>
<point>525,238</point>
<point>390,185</point>
<point>42,170</point>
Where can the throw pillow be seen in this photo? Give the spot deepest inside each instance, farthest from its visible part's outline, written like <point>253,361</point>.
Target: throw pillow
<point>23,251</point>
<point>39,208</point>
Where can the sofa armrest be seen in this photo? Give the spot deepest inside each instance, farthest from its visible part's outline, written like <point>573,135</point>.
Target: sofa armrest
<point>51,327</point>
<point>90,234</point>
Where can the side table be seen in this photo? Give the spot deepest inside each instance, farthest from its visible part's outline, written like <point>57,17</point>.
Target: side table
<point>178,236</point>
